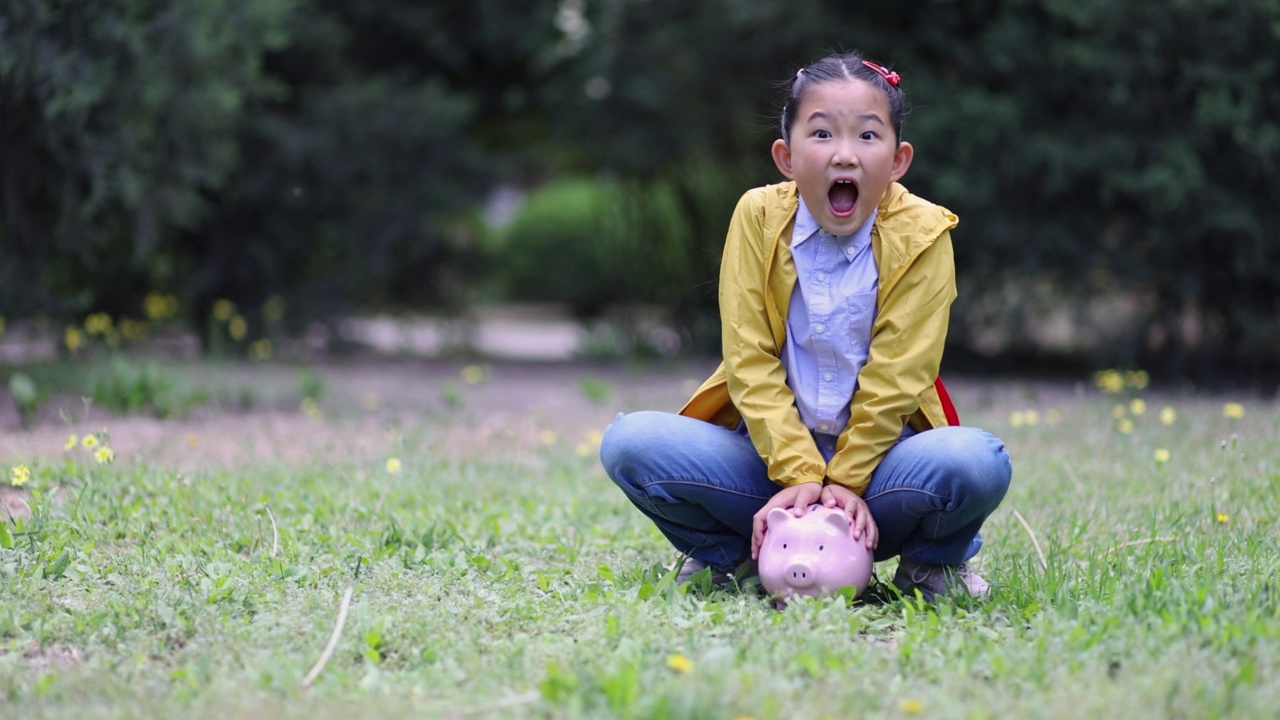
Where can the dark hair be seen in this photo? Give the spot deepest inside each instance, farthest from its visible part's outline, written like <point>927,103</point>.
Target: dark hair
<point>843,68</point>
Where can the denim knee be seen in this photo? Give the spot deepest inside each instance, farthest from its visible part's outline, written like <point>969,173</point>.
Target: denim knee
<point>976,461</point>
<point>623,447</point>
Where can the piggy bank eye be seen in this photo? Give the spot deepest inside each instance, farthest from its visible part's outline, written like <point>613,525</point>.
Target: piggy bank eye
<point>784,546</point>
<point>820,548</point>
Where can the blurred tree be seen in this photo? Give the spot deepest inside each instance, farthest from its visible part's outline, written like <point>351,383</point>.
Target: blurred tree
<point>117,119</point>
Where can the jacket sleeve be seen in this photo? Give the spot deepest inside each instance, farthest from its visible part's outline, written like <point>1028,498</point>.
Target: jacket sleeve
<point>903,361</point>
<point>756,377</point>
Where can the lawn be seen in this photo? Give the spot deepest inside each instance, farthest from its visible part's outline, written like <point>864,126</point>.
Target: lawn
<point>459,553</point>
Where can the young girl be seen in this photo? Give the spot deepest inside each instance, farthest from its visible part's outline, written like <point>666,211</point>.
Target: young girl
<point>835,291</point>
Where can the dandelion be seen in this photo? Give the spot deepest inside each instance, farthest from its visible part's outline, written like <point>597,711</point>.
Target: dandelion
<point>1118,411</point>
<point>160,307</point>
<point>223,310</point>
<point>582,449</point>
<point>1015,418</point>
<point>19,475</point>
<point>89,442</point>
<point>237,328</point>
<point>595,437</point>
<point>1138,379</point>
<point>371,401</point>
<point>1233,410</point>
<point>72,442</point>
<point>1031,417</point>
<point>1137,406</point>
<point>192,442</point>
<point>98,323</point>
<point>393,466</point>
<point>910,706</point>
<point>472,374</point>
<point>1168,415</point>
<point>104,455</point>
<point>1162,455</point>
<point>679,663</point>
<point>132,329</point>
<point>1053,416</point>
<point>1109,381</point>
<point>73,339</point>
<point>547,437</point>
<point>260,350</point>
<point>1223,517</point>
<point>1125,426</point>
<point>273,309</point>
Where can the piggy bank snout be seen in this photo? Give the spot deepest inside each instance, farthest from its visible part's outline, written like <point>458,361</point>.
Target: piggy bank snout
<point>799,574</point>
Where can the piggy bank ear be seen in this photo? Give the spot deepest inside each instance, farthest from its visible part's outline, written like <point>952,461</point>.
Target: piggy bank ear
<point>839,521</point>
<point>777,517</point>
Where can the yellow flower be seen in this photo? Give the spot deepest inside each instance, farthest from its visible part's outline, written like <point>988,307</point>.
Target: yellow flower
<point>192,441</point>
<point>1162,455</point>
<point>260,350</point>
<point>104,455</point>
<point>1031,417</point>
<point>1223,517</point>
<point>132,329</point>
<point>89,442</point>
<point>73,338</point>
<point>310,408</point>
<point>547,437</point>
<point>19,475</point>
<point>1,324</point>
<point>1233,410</point>
<point>595,437</point>
<point>160,307</point>
<point>679,663</point>
<point>910,706</point>
<point>1137,379</point>
<point>1168,415</point>
<point>371,401</point>
<point>223,310</point>
<point>393,466</point>
<point>237,328</point>
<point>472,374</point>
<point>1109,381</point>
<point>1053,416</point>
<point>1118,411</point>
<point>72,442</point>
<point>98,324</point>
<point>1137,406</point>
<point>1015,418</point>
<point>273,309</point>
<point>1125,426</point>
<point>583,450</point>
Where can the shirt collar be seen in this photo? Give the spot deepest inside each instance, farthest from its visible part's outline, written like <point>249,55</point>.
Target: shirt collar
<point>806,226</point>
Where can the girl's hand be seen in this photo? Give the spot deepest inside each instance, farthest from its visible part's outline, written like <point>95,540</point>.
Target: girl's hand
<point>797,498</point>
<point>835,495</point>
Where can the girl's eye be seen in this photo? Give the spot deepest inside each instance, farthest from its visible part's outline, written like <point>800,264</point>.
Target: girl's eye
<point>868,135</point>
<point>821,134</point>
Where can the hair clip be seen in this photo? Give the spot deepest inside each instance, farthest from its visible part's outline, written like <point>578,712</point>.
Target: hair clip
<point>891,77</point>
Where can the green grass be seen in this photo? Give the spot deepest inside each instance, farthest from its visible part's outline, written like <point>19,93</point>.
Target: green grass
<point>496,586</point>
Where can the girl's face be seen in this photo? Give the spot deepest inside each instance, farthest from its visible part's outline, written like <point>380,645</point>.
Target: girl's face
<point>843,153</point>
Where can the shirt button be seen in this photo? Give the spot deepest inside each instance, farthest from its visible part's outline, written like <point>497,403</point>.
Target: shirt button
<point>820,328</point>
<point>822,277</point>
<point>849,249</point>
<point>827,377</point>
<point>823,427</point>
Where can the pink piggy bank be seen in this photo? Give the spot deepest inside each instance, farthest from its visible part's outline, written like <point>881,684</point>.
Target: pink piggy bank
<point>814,554</point>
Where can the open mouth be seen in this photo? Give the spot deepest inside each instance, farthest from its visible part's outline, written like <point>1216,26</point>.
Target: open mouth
<point>843,197</point>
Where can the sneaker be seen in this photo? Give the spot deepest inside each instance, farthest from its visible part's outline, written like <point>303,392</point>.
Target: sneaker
<point>935,580</point>
<point>719,578</point>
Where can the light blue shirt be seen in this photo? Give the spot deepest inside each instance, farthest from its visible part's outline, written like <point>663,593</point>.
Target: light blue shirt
<point>829,321</point>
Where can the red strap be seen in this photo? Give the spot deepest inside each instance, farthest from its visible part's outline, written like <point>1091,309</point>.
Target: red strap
<point>948,407</point>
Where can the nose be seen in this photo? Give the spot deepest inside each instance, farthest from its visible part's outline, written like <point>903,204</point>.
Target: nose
<point>844,154</point>
<point>799,575</point>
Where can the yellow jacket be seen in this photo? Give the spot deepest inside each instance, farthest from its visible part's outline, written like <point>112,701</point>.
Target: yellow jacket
<point>911,241</point>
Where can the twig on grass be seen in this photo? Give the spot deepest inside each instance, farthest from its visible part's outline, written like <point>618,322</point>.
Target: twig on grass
<point>1043,564</point>
<point>275,534</point>
<point>333,639</point>
<point>1143,541</point>
<point>1071,473</point>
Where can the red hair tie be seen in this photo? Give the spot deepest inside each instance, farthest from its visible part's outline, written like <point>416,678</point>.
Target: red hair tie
<point>891,77</point>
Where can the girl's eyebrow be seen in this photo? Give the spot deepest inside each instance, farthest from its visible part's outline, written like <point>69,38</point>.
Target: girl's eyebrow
<point>823,115</point>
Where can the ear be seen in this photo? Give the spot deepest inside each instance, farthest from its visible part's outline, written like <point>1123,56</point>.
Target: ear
<point>901,160</point>
<point>782,158</point>
<point>778,517</point>
<point>839,521</point>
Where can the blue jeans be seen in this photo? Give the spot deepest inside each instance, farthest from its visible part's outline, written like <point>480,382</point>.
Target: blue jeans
<point>702,483</point>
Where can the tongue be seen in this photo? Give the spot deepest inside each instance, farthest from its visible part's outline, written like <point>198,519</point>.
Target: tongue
<point>842,197</point>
